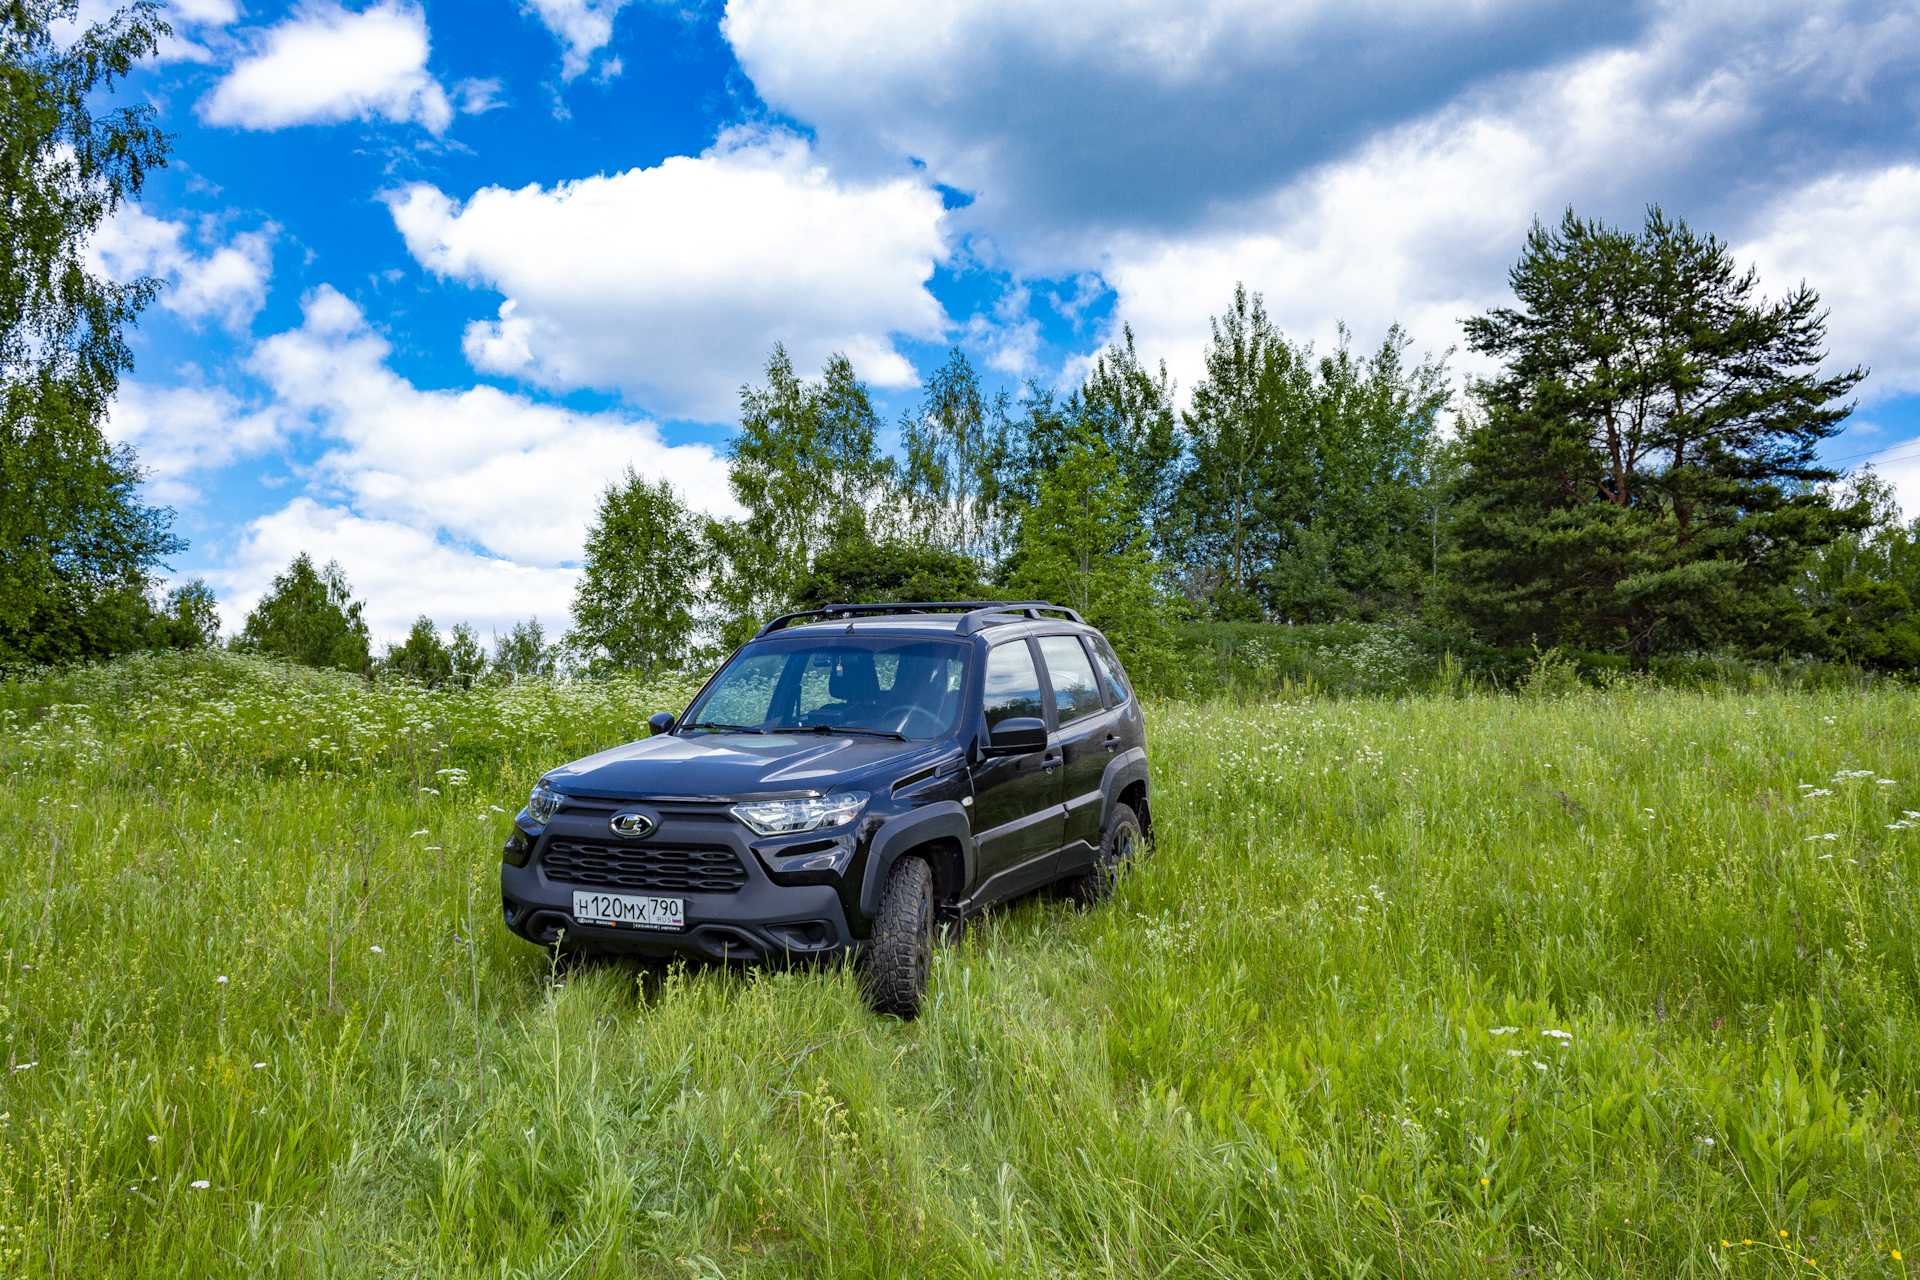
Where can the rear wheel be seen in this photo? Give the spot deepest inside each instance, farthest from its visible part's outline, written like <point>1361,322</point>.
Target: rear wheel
<point>1118,845</point>
<point>901,951</point>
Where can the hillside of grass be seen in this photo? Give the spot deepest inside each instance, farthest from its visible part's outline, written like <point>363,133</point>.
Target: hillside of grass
<point>1619,982</point>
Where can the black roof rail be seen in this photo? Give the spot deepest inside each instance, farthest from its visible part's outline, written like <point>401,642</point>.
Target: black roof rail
<point>977,618</point>
<point>975,612</point>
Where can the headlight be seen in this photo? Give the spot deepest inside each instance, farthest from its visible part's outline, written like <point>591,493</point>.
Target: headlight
<point>543,803</point>
<point>784,817</point>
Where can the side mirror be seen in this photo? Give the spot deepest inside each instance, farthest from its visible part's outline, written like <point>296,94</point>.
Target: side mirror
<point>1017,736</point>
<point>660,722</point>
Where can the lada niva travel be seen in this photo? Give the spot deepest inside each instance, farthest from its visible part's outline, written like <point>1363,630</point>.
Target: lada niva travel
<point>852,779</point>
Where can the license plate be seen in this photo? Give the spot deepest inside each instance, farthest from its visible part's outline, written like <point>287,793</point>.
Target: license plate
<point>626,911</point>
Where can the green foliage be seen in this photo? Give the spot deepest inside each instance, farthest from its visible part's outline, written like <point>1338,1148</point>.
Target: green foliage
<point>309,616</point>
<point>76,544</point>
<point>806,465</point>
<point>189,619</point>
<point>421,657</point>
<point>863,572</point>
<point>1864,583</point>
<point>1082,544</point>
<point>1131,412</point>
<point>955,449</point>
<point>634,607</point>
<point>1404,986</point>
<point>1645,474</point>
<point>524,653</point>
<point>466,660</point>
<point>1309,494</point>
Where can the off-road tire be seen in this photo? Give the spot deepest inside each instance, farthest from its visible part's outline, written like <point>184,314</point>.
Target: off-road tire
<point>1122,840</point>
<point>901,950</point>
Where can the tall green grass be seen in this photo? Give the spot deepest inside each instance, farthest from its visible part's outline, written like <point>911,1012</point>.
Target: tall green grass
<point>1601,985</point>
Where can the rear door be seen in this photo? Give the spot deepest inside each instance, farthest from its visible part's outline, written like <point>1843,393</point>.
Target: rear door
<point>1085,739</point>
<point>1017,818</point>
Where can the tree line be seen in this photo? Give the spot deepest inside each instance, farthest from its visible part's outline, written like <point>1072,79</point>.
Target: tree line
<point>1640,476</point>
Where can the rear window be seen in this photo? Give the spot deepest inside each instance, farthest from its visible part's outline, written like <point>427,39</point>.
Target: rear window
<point>1113,677</point>
<point>1075,693</point>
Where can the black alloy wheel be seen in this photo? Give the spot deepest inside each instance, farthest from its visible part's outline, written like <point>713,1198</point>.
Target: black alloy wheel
<point>1118,845</point>
<point>901,952</point>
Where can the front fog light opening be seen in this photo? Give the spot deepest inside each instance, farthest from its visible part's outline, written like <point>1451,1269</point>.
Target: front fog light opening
<point>808,813</point>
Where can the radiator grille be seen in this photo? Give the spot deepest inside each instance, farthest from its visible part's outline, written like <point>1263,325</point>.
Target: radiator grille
<point>682,868</point>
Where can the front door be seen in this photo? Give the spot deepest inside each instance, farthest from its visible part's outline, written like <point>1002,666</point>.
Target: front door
<point>1017,818</point>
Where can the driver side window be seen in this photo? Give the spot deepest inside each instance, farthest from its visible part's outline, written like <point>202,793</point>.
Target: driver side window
<point>1013,684</point>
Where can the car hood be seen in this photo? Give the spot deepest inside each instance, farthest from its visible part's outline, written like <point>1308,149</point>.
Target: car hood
<point>730,765</point>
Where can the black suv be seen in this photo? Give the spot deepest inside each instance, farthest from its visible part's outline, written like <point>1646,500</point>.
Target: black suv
<point>852,778</point>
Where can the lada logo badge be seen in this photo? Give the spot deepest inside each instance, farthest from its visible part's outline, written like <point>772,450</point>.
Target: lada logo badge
<point>631,824</point>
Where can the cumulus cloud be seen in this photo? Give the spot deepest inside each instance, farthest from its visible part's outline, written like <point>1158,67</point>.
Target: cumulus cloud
<point>1900,465</point>
<point>326,64</point>
<point>227,284</point>
<point>471,504</point>
<point>180,434</point>
<point>583,28</point>
<point>1856,238</point>
<point>1077,118</point>
<point>1420,224</point>
<point>672,283</point>
<point>399,569</point>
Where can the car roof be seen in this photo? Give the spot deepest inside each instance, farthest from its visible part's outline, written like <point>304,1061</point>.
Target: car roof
<point>932,625</point>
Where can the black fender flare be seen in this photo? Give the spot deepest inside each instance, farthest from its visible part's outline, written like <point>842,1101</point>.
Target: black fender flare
<point>1122,772</point>
<point>942,820</point>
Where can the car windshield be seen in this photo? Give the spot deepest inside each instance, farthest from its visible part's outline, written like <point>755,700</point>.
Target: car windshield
<point>904,688</point>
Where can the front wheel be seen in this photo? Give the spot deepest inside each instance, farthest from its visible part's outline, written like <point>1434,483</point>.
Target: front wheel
<point>1118,845</point>
<point>898,957</point>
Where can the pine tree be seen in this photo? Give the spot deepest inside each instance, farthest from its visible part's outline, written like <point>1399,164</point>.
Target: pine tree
<point>1644,474</point>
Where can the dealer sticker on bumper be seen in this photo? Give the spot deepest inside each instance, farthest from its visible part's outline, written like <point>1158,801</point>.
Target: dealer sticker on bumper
<point>626,911</point>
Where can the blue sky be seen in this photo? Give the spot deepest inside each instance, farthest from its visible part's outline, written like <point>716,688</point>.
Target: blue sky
<point>437,272</point>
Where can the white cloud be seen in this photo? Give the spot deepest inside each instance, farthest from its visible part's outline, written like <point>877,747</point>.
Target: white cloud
<point>468,504</point>
<point>1855,238</point>
<point>180,433</point>
<point>228,284</point>
<point>1420,224</point>
<point>399,569</point>
<point>1900,465</point>
<point>326,64</point>
<point>672,283</point>
<point>1070,120</point>
<point>583,27</point>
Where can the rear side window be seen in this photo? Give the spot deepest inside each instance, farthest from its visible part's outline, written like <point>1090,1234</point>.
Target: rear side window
<point>1013,684</point>
<point>1111,673</point>
<point>1075,693</point>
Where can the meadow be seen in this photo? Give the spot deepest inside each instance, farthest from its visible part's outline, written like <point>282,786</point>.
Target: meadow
<point>1463,983</point>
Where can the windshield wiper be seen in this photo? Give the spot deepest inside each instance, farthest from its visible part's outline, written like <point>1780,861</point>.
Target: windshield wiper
<point>723,728</point>
<point>839,728</point>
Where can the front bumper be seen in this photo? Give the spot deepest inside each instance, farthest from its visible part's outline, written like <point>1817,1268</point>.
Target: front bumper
<point>760,921</point>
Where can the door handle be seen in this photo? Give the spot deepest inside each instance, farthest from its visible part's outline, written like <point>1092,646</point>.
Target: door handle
<point>1113,741</point>
<point>1050,762</point>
